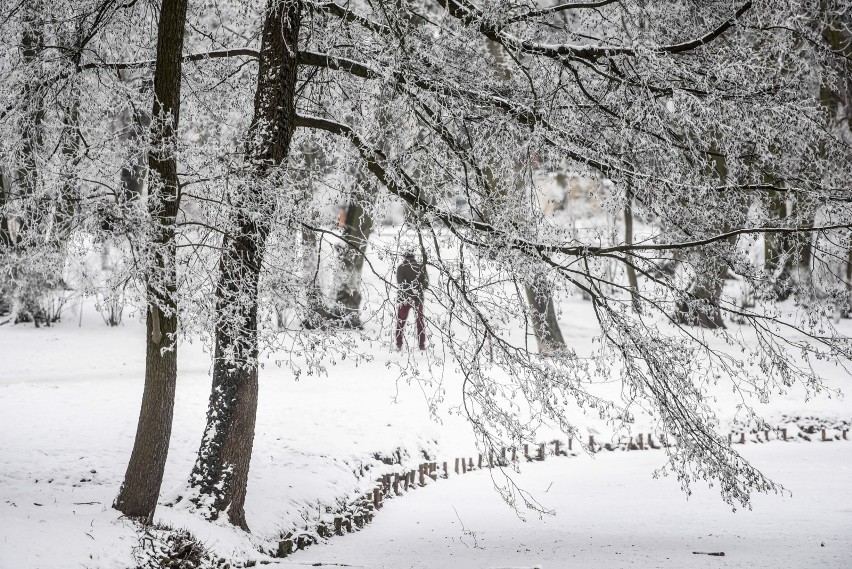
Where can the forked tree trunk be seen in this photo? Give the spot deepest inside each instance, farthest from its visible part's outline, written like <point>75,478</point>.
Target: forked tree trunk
<point>138,495</point>
<point>221,470</point>
<point>539,294</point>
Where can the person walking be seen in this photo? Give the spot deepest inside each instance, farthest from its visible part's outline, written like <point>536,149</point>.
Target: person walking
<point>411,280</point>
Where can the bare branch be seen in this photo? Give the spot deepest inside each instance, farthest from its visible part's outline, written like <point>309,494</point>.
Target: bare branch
<point>558,8</point>
<point>218,54</point>
<point>468,14</point>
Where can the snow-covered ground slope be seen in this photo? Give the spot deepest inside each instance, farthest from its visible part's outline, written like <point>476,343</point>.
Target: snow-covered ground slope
<point>69,402</point>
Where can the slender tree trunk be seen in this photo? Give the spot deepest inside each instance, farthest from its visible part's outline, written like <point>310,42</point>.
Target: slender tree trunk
<point>70,193</point>
<point>6,244</point>
<point>5,229</point>
<point>221,470</point>
<point>628,240</point>
<point>138,495</point>
<point>847,308</point>
<point>775,246</point>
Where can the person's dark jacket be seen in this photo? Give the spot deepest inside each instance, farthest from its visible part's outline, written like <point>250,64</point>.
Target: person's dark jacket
<point>411,278</point>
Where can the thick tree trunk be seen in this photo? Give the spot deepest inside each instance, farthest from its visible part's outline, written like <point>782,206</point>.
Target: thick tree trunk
<point>543,315</point>
<point>221,470</point>
<point>138,495</point>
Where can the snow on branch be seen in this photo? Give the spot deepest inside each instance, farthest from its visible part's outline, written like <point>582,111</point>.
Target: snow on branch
<point>558,8</point>
<point>469,15</point>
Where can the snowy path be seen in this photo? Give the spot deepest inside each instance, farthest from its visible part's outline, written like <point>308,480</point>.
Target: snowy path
<point>611,513</point>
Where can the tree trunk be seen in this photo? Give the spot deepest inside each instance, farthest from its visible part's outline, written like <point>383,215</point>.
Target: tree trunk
<point>543,315</point>
<point>69,197</point>
<point>702,305</point>
<point>6,244</point>
<point>5,229</point>
<point>317,314</point>
<point>32,224</point>
<point>702,308</point>
<point>221,470</point>
<point>132,124</point>
<point>358,225</point>
<point>138,495</point>
<point>775,245</point>
<point>628,240</point>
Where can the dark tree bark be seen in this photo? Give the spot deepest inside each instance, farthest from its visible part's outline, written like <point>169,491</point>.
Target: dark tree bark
<point>5,248</point>
<point>221,471</point>
<point>5,229</point>
<point>138,495</point>
<point>318,313</point>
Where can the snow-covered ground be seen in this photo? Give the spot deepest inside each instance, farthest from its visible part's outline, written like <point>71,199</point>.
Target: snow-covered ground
<point>69,402</point>
<point>610,513</point>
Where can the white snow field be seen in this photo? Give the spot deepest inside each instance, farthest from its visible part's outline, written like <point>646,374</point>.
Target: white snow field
<point>69,402</point>
<point>610,513</point>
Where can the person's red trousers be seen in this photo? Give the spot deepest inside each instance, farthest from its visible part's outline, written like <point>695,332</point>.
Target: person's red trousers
<point>402,316</point>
